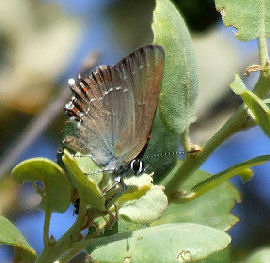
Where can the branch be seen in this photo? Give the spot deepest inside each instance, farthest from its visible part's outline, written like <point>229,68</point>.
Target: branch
<point>39,124</point>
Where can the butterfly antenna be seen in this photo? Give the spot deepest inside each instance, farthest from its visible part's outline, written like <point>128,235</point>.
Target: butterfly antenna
<point>97,171</point>
<point>100,171</point>
<point>170,153</point>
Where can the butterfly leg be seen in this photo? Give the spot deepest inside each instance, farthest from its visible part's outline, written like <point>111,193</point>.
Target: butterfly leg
<point>123,185</point>
<point>117,180</point>
<point>110,199</point>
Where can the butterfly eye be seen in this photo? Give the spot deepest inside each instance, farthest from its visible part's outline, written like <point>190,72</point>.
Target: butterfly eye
<point>137,166</point>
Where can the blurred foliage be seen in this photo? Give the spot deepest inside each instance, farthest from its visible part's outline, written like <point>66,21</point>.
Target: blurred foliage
<point>200,15</point>
<point>37,40</point>
<point>261,255</point>
<point>10,235</point>
<point>36,51</point>
<point>8,193</point>
<point>124,18</point>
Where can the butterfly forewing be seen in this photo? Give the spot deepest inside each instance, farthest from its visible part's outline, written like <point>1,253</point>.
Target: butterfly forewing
<point>141,72</point>
<point>116,105</point>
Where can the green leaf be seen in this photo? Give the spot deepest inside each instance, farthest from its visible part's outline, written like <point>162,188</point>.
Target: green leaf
<point>246,175</point>
<point>180,81</point>
<point>250,17</point>
<point>124,225</point>
<point>223,256</point>
<point>22,255</point>
<point>87,187</point>
<point>88,166</point>
<point>143,208</point>
<point>211,209</point>
<point>139,207</point>
<point>238,86</point>
<point>164,243</point>
<point>57,191</point>
<point>161,143</point>
<point>261,255</point>
<point>11,236</point>
<point>258,108</point>
<point>225,175</point>
<point>261,87</point>
<point>267,102</point>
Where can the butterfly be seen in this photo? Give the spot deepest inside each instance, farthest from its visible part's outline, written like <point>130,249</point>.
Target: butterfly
<point>114,108</point>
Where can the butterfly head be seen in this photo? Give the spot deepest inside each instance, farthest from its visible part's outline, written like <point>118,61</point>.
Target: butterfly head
<point>137,166</point>
<point>134,167</point>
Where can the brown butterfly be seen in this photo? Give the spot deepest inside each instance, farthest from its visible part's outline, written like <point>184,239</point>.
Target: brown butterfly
<point>115,107</point>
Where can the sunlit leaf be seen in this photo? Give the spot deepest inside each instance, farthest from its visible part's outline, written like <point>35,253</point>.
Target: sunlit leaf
<point>57,188</point>
<point>141,204</point>
<point>11,236</point>
<point>225,175</point>
<point>246,174</point>
<point>212,208</point>
<point>89,167</point>
<point>180,82</point>
<point>223,256</point>
<point>145,208</point>
<point>161,143</point>
<point>87,187</point>
<point>251,18</point>
<point>259,109</point>
<point>164,243</point>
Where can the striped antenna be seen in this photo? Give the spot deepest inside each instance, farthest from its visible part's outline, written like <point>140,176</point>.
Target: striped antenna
<point>100,171</point>
<point>97,171</point>
<point>170,153</point>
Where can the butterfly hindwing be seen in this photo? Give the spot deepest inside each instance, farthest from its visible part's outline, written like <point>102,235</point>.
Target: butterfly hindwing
<point>115,105</point>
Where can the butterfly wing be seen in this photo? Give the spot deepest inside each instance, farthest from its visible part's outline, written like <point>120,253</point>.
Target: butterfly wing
<point>115,105</point>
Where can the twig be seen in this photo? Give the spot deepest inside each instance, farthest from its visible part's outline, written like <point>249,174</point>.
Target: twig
<point>33,130</point>
<point>38,125</point>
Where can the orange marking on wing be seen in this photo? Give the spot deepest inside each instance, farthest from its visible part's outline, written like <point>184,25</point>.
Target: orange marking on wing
<point>72,113</point>
<point>75,109</point>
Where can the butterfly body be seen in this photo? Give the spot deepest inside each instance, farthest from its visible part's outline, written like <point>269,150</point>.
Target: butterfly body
<point>114,108</point>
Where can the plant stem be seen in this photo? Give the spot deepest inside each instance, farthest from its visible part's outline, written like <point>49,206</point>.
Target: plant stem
<point>237,122</point>
<point>181,172</point>
<point>185,140</point>
<point>46,227</point>
<point>69,255</point>
<point>263,51</point>
<point>66,242</point>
